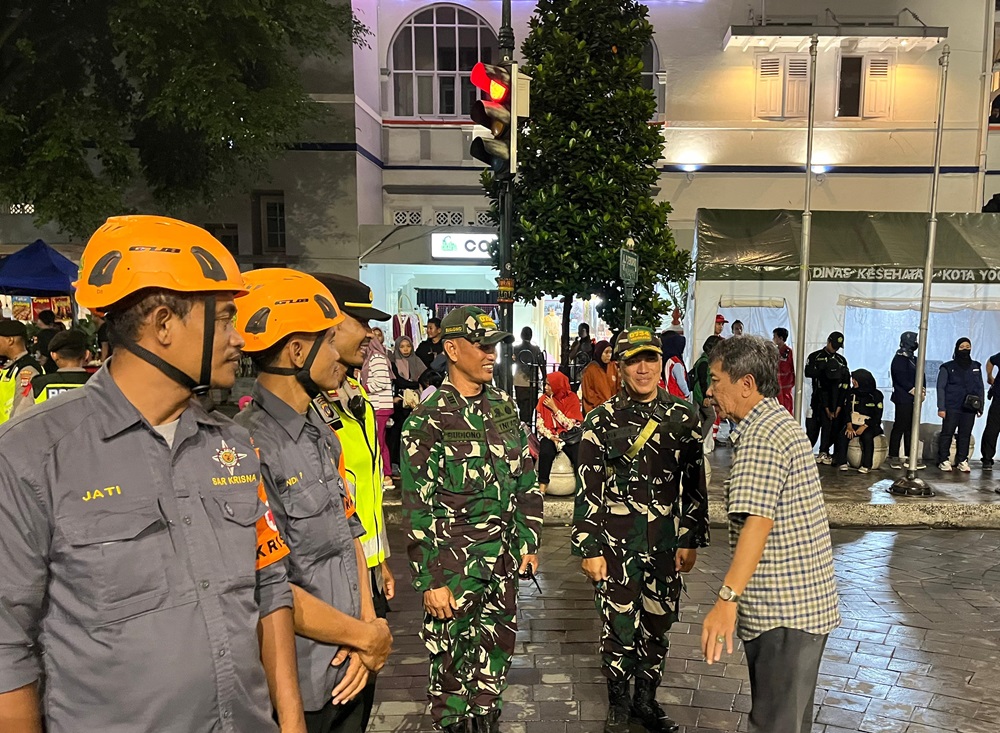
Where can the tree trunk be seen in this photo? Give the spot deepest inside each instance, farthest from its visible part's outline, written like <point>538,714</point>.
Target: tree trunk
<point>567,312</point>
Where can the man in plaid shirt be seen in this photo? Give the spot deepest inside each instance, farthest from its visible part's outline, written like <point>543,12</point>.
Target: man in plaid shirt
<point>780,586</point>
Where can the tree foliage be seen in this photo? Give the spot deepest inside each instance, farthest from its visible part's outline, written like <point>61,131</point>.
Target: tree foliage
<point>587,162</point>
<point>186,97</point>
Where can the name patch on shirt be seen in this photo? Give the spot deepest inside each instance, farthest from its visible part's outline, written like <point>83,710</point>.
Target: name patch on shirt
<point>464,436</point>
<point>505,418</point>
<point>105,493</point>
<point>246,478</point>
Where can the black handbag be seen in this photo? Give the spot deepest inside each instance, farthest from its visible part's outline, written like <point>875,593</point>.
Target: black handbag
<point>572,436</point>
<point>973,402</point>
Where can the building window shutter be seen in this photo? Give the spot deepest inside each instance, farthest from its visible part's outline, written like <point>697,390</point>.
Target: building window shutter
<point>797,86</point>
<point>878,86</point>
<point>769,92</point>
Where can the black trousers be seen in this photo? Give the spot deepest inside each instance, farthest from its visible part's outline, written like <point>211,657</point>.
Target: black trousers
<point>346,718</point>
<point>547,453</point>
<point>989,447</point>
<point>824,428</point>
<point>526,399</point>
<point>394,433</point>
<point>961,422</point>
<point>368,694</point>
<point>901,429</point>
<point>867,439</point>
<point>784,665</point>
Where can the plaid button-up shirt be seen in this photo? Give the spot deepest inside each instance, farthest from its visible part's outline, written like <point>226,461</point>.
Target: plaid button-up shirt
<point>774,476</point>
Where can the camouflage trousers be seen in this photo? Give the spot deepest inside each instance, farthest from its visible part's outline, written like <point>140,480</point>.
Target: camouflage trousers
<point>638,605</point>
<point>470,653</point>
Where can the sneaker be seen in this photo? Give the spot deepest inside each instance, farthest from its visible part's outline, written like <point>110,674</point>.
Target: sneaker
<point>945,465</point>
<point>895,463</point>
<point>388,483</point>
<point>987,464</point>
<point>864,470</point>
<point>824,459</point>
<point>964,467</point>
<point>843,467</point>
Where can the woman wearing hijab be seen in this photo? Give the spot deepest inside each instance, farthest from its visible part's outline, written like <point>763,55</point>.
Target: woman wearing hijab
<point>408,367</point>
<point>600,378</point>
<point>904,379</point>
<point>864,405</point>
<point>674,372</point>
<point>376,376</point>
<point>559,410</point>
<point>960,395</point>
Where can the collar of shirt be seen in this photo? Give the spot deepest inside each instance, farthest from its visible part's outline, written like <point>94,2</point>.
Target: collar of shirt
<point>116,414</point>
<point>623,400</point>
<point>763,407</point>
<point>447,386</point>
<point>280,411</point>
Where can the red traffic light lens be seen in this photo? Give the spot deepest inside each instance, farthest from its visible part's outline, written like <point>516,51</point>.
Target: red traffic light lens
<point>491,79</point>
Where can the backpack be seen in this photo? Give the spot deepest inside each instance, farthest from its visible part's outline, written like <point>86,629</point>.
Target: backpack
<point>695,380</point>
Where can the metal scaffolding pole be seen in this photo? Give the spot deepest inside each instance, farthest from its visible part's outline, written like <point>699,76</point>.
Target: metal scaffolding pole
<point>911,485</point>
<point>800,323</point>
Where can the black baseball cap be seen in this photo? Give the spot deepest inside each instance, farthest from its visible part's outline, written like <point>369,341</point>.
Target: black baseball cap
<point>837,339</point>
<point>353,296</point>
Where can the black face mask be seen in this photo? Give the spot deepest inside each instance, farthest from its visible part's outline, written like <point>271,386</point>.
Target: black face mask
<point>964,357</point>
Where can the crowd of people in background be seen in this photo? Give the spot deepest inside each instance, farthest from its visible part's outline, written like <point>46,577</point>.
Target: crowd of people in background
<point>845,405</point>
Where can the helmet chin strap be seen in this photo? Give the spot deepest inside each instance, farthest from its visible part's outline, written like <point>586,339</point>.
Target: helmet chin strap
<point>204,382</point>
<point>303,376</point>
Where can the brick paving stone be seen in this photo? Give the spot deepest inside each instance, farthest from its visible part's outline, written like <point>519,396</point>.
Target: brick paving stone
<point>917,652</point>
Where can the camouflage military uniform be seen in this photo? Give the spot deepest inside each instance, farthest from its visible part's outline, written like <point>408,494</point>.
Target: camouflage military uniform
<point>472,508</point>
<point>636,514</point>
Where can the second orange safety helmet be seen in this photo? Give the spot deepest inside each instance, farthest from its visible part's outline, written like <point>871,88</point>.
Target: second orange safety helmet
<point>131,253</point>
<point>280,302</point>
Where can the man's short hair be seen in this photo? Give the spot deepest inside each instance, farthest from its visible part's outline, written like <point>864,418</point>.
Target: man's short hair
<point>753,355</point>
<point>781,333</point>
<point>125,322</point>
<point>47,317</point>
<point>735,322</point>
<point>434,322</point>
<point>71,345</point>
<point>527,333</point>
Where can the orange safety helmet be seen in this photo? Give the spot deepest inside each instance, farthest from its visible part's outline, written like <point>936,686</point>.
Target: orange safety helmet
<point>280,302</point>
<point>130,253</point>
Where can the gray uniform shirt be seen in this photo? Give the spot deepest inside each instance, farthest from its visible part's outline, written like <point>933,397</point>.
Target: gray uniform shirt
<point>300,456</point>
<point>132,567</point>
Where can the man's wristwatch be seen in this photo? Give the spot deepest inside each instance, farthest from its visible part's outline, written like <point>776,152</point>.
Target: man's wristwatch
<point>728,594</point>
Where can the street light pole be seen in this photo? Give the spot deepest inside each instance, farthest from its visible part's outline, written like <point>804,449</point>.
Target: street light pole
<point>911,485</point>
<point>800,324</point>
<point>505,299</point>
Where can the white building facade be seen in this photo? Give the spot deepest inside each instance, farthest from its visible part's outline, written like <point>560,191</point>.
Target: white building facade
<point>390,168</point>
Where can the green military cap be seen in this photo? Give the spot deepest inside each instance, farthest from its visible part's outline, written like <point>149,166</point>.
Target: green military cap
<point>636,340</point>
<point>473,324</point>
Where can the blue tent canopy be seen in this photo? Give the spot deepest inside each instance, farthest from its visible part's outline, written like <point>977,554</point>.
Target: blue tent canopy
<point>37,270</point>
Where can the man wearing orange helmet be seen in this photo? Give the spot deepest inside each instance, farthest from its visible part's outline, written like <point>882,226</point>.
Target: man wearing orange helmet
<point>137,545</point>
<point>289,321</point>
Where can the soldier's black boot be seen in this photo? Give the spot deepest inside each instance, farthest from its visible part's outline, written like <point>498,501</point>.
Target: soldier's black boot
<point>461,726</point>
<point>618,707</point>
<point>647,712</point>
<point>489,723</point>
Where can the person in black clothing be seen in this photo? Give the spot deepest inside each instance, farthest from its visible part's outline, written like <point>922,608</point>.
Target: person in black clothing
<point>904,380</point>
<point>864,420</point>
<point>47,328</point>
<point>992,431</point>
<point>530,374</point>
<point>581,353</point>
<point>829,373</point>
<point>407,369</point>
<point>960,401</point>
<point>432,346</point>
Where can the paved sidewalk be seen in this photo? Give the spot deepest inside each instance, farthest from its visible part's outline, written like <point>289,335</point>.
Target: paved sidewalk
<point>918,651</point>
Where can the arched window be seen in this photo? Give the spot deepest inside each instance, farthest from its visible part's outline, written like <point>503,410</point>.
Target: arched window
<point>431,58</point>
<point>650,65</point>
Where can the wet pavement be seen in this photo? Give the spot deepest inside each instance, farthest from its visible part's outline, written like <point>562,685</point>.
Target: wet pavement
<point>918,651</point>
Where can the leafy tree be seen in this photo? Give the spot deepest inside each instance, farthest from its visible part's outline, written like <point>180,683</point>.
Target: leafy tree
<point>586,163</point>
<point>98,97</point>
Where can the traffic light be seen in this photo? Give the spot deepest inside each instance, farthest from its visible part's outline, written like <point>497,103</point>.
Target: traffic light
<point>498,115</point>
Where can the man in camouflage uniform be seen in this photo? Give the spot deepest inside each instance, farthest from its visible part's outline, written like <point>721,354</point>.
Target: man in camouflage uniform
<point>473,511</point>
<point>641,513</point>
